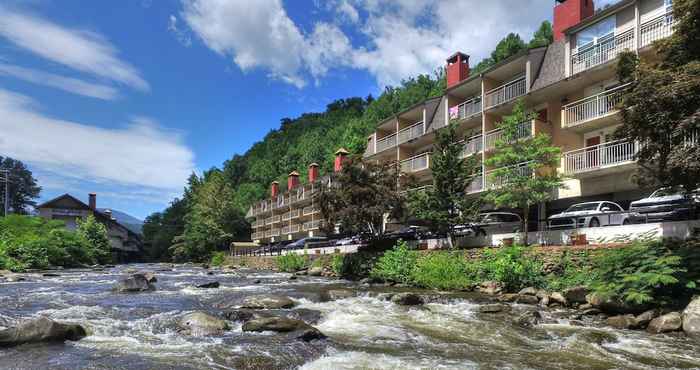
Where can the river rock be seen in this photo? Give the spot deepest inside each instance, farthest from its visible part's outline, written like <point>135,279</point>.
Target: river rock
<point>557,297</point>
<point>576,294</point>
<point>257,281</point>
<point>645,318</point>
<point>528,291</point>
<point>15,278</point>
<point>666,323</point>
<point>41,330</point>
<point>622,321</point>
<point>336,294</point>
<point>267,301</point>
<point>150,277</point>
<point>527,299</point>
<point>5,273</point>
<point>202,324</point>
<point>614,306</point>
<point>508,297</point>
<point>134,283</point>
<point>490,287</point>
<point>239,315</point>
<point>211,285</point>
<point>544,301</point>
<point>529,319</point>
<point>691,318</point>
<point>590,312</point>
<point>293,277</point>
<point>494,308</point>
<point>315,271</point>
<point>297,328</point>
<point>50,274</point>
<point>407,299</point>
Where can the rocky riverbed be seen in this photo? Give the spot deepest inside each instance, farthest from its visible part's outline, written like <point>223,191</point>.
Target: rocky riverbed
<point>177,317</point>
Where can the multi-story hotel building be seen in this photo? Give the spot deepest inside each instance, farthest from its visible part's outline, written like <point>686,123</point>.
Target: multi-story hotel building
<point>571,85</point>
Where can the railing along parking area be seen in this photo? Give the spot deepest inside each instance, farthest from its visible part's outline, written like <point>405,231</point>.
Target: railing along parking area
<point>593,107</point>
<point>506,92</point>
<point>599,156</point>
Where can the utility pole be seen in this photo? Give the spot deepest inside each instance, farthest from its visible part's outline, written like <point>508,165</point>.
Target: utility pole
<point>7,191</point>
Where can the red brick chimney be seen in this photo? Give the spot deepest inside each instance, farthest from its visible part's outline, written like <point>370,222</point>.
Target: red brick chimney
<point>292,180</point>
<point>568,13</point>
<point>92,201</point>
<point>313,172</point>
<point>340,155</point>
<point>457,68</point>
<point>274,189</point>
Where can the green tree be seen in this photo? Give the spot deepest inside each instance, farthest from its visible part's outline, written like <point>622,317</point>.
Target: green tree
<point>361,195</point>
<point>661,108</point>
<point>543,36</point>
<point>445,204</point>
<point>160,228</point>
<point>23,187</point>
<point>507,47</point>
<point>95,235</point>
<point>524,166</point>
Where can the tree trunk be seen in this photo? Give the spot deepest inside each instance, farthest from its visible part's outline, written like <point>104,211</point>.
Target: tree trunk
<point>526,218</point>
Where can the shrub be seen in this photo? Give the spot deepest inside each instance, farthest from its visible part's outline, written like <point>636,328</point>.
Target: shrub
<point>291,262</point>
<point>571,273</point>
<point>396,264</point>
<point>97,241</point>
<point>645,271</point>
<point>218,258</point>
<point>512,266</point>
<point>337,264</point>
<point>441,270</point>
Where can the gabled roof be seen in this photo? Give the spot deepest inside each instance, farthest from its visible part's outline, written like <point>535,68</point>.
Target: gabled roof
<point>67,196</point>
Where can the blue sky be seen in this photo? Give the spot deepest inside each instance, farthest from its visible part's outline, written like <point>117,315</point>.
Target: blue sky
<point>126,98</point>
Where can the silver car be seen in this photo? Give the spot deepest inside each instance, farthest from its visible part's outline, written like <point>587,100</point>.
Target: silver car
<point>590,214</point>
<point>493,223</point>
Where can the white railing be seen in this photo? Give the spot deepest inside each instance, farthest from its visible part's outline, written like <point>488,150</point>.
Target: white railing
<point>310,210</point>
<point>521,169</point>
<point>524,130</point>
<point>602,52</point>
<point>386,143</point>
<point>312,225</point>
<point>593,107</point>
<point>599,156</point>
<point>476,185</point>
<point>417,163</point>
<point>412,132</point>
<point>275,232</point>
<point>276,219</point>
<point>506,93</point>
<point>656,29</point>
<point>291,229</point>
<point>473,145</point>
<point>417,189</point>
<point>466,109</point>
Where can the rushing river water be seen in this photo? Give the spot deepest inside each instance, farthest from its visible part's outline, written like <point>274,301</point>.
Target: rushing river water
<point>139,331</point>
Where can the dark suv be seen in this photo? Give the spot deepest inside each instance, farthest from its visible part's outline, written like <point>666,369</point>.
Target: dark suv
<point>665,204</point>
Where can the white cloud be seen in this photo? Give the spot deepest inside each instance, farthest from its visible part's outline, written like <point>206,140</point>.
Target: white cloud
<point>140,155</point>
<point>182,36</point>
<point>72,85</point>
<point>82,50</point>
<point>347,11</point>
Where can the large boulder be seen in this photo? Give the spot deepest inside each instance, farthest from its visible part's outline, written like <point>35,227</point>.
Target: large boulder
<point>494,308</point>
<point>490,287</point>
<point>559,298</point>
<point>622,322</point>
<point>211,285</point>
<point>613,305</point>
<point>134,283</point>
<point>691,318</point>
<point>315,271</point>
<point>529,319</point>
<point>666,323</point>
<point>645,318</point>
<point>202,324</point>
<point>41,330</point>
<point>527,299</point>
<point>528,291</point>
<point>576,294</point>
<point>336,294</point>
<point>407,299</point>
<point>266,301</point>
<point>239,315</point>
<point>296,328</point>
<point>150,277</point>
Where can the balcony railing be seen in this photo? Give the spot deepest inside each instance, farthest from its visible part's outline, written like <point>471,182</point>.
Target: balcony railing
<point>412,132</point>
<point>593,107</point>
<point>291,229</point>
<point>599,156</point>
<point>656,29</point>
<point>276,219</point>
<point>414,164</point>
<point>310,210</point>
<point>492,181</point>
<point>386,143</point>
<point>417,189</point>
<point>602,52</point>
<point>506,93</point>
<point>312,225</point>
<point>476,185</point>
<point>524,130</point>
<point>473,145</point>
<point>466,109</point>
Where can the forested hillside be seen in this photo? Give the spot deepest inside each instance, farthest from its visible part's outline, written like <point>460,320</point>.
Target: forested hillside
<point>212,211</point>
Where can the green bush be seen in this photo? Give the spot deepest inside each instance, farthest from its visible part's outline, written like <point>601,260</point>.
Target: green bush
<point>396,264</point>
<point>337,264</point>
<point>291,262</point>
<point>97,241</point>
<point>218,258</point>
<point>512,266</point>
<point>645,271</point>
<point>571,273</point>
<point>443,270</point>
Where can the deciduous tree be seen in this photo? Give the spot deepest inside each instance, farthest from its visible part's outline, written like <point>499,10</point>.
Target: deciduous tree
<point>23,186</point>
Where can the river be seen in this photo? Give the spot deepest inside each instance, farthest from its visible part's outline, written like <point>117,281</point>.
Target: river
<point>138,331</point>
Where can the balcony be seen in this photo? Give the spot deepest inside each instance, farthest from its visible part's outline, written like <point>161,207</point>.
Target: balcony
<point>505,93</point>
<point>524,130</point>
<point>417,163</point>
<point>310,210</point>
<point>599,159</point>
<point>409,133</point>
<point>488,181</point>
<point>385,143</point>
<point>473,145</point>
<point>604,51</point>
<point>312,225</point>
<point>291,215</point>
<point>596,110</point>
<point>467,109</point>
<point>656,29</point>
<point>292,229</point>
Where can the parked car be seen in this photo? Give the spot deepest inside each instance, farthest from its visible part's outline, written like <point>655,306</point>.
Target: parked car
<point>665,204</point>
<point>492,223</point>
<point>590,214</point>
<point>350,240</point>
<point>301,243</point>
<point>409,233</point>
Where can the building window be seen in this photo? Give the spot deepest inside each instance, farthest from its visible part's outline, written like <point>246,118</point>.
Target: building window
<point>596,34</point>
